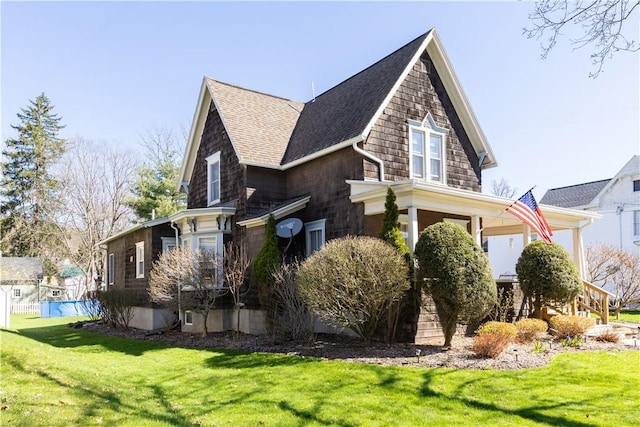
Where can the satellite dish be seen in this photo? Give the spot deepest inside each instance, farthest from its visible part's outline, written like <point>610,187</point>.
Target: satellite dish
<point>288,228</point>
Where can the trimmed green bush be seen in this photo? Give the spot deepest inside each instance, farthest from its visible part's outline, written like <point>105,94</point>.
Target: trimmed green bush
<point>548,275</point>
<point>456,274</point>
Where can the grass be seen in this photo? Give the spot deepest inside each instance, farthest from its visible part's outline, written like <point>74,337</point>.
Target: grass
<point>631,316</point>
<point>53,375</point>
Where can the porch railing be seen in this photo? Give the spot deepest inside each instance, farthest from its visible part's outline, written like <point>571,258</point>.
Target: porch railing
<point>594,299</point>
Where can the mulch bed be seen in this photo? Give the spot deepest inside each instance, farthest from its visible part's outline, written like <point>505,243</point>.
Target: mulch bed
<point>338,347</point>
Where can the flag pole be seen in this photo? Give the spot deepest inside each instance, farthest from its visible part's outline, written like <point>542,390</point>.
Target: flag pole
<point>520,196</point>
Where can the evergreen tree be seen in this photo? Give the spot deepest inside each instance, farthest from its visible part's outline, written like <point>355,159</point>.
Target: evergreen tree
<point>30,192</point>
<point>154,190</point>
<point>390,231</point>
<point>267,262</point>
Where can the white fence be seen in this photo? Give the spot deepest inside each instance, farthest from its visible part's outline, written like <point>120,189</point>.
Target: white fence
<point>25,308</point>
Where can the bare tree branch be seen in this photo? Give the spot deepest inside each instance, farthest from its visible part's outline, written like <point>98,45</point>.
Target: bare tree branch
<point>600,23</point>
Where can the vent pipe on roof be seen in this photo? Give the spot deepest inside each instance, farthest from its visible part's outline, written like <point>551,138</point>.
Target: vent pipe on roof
<point>370,157</point>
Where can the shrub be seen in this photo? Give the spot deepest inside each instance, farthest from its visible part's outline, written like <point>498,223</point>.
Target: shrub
<point>352,281</point>
<point>456,274</point>
<point>489,345</point>
<point>608,335</point>
<point>503,329</point>
<point>570,326</point>
<point>292,319</point>
<point>530,329</point>
<point>547,274</point>
<point>117,307</point>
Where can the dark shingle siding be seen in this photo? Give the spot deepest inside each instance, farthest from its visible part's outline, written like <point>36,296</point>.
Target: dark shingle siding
<point>344,111</point>
<point>574,195</point>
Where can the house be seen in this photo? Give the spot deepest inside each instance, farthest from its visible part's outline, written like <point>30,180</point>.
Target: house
<point>129,256</point>
<point>403,122</point>
<point>21,278</point>
<point>616,199</point>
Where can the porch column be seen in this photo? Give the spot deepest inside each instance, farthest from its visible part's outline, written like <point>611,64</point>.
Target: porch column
<point>526,235</point>
<point>577,251</point>
<point>475,229</point>
<point>413,227</point>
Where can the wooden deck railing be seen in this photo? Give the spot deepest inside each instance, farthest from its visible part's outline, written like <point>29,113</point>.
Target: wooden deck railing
<point>594,299</point>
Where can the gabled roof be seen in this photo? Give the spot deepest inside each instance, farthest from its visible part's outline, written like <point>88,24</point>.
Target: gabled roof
<point>20,268</point>
<point>259,125</point>
<point>574,195</point>
<point>279,133</point>
<point>146,224</point>
<point>344,111</point>
<point>582,195</point>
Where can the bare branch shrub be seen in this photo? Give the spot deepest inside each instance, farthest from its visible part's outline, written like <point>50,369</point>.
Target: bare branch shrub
<point>90,305</point>
<point>187,280</point>
<point>117,307</point>
<point>616,269</point>
<point>292,320</point>
<point>352,281</point>
<point>236,265</point>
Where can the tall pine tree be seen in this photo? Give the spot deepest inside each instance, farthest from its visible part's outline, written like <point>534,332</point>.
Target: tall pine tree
<point>29,190</point>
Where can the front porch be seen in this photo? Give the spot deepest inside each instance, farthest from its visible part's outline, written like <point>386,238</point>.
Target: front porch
<point>422,204</point>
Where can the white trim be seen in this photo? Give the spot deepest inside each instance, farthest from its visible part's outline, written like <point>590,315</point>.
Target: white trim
<point>428,128</point>
<point>309,227</point>
<point>635,224</point>
<point>278,213</point>
<point>111,268</point>
<point>139,259</point>
<point>168,242</point>
<point>212,162</point>
<point>453,88</point>
<point>188,317</point>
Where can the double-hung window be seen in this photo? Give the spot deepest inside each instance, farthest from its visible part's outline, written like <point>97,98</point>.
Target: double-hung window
<point>139,260</point>
<point>315,235</point>
<point>636,223</point>
<point>213,179</point>
<point>427,150</point>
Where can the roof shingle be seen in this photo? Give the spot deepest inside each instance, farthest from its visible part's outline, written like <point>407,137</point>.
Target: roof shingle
<point>574,195</point>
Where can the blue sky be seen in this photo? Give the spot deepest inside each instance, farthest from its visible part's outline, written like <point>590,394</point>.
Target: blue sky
<point>116,69</point>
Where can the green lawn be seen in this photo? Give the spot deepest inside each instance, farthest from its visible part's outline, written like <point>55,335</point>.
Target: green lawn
<point>56,376</point>
<point>632,316</point>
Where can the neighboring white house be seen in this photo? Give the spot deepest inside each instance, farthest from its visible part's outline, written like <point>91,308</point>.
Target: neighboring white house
<point>617,200</point>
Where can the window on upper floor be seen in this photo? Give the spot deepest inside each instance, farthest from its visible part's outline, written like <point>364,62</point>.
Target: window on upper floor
<point>213,179</point>
<point>17,293</point>
<point>139,260</point>
<point>315,235</point>
<point>636,223</point>
<point>636,185</point>
<point>427,148</point>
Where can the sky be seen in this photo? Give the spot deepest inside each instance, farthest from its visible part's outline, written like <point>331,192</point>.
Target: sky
<point>115,70</point>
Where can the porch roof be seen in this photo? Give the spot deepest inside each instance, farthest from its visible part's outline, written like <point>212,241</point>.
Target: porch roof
<point>491,209</point>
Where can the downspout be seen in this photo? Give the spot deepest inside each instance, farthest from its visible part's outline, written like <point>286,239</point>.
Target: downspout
<point>178,245</point>
<point>173,225</point>
<point>370,157</point>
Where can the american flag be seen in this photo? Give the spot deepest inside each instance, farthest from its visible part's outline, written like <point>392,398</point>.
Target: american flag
<point>527,210</point>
